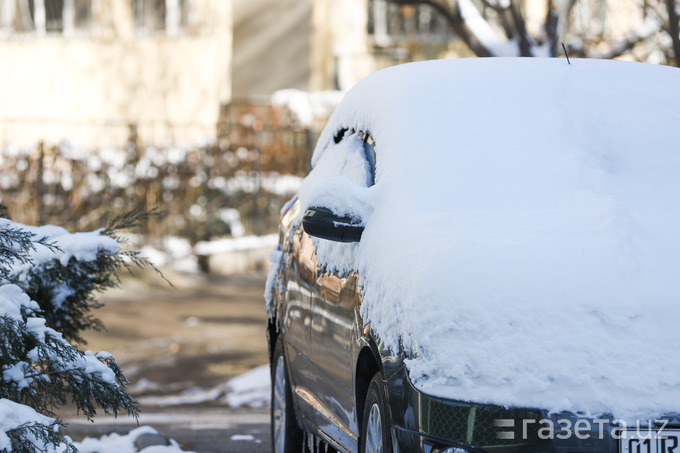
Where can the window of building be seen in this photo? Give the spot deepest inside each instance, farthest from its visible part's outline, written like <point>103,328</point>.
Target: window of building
<point>64,17</point>
<point>390,24</point>
<point>82,17</point>
<point>153,16</point>
<point>54,16</point>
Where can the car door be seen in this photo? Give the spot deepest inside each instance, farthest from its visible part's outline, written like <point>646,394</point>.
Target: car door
<point>297,316</point>
<point>334,334</point>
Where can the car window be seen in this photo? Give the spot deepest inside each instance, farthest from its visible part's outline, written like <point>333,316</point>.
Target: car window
<point>368,143</point>
<point>369,152</point>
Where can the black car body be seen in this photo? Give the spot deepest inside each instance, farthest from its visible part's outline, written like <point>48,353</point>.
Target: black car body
<point>334,379</point>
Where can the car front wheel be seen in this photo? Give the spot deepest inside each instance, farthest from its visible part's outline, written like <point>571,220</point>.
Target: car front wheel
<point>376,429</point>
<point>286,434</point>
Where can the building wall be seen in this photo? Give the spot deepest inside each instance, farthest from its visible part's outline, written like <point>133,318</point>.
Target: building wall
<point>340,48</point>
<point>272,46</point>
<point>310,45</point>
<point>349,48</point>
<point>89,89</point>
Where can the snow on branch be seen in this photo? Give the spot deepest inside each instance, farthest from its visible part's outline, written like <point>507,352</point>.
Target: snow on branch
<point>22,425</point>
<point>48,278</point>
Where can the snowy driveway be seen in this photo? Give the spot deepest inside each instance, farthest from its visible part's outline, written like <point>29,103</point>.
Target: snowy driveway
<point>180,347</point>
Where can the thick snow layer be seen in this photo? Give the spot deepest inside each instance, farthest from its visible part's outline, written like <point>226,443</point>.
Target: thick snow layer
<point>522,234</point>
<point>13,300</point>
<point>82,246</point>
<point>90,363</point>
<point>14,415</point>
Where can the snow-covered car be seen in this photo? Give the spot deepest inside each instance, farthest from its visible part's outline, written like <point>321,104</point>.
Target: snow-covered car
<point>485,257</point>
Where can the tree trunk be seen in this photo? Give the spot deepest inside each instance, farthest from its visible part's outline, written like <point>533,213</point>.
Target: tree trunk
<point>673,28</point>
<point>521,29</point>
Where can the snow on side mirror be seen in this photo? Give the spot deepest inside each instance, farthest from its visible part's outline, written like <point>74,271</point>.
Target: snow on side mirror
<point>323,223</point>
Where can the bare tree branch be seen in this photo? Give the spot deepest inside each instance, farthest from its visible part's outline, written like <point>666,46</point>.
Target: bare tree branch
<point>504,17</point>
<point>456,21</point>
<point>475,31</point>
<point>550,27</point>
<point>646,31</point>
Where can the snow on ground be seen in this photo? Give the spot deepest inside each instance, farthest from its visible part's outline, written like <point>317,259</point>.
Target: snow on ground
<point>244,437</point>
<point>172,252</point>
<point>116,443</point>
<point>235,244</point>
<point>247,182</point>
<point>251,389</point>
<point>194,395</point>
<point>178,254</point>
<point>522,234</point>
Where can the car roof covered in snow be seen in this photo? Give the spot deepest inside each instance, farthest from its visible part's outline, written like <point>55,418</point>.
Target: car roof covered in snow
<point>523,231</point>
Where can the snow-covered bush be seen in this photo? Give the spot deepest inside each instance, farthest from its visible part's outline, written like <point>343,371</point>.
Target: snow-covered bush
<point>48,279</point>
<point>64,275</point>
<point>82,189</point>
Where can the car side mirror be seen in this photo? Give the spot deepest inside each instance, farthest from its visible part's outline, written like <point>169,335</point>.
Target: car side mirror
<point>323,223</point>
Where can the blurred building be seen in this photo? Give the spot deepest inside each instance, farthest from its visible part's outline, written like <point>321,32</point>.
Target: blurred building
<point>85,70</point>
<point>88,70</point>
<point>310,45</point>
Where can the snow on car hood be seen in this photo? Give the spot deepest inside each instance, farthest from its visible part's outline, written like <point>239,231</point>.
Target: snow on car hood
<point>524,229</point>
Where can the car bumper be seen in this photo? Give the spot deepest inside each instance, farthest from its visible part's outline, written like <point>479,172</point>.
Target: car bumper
<point>429,424</point>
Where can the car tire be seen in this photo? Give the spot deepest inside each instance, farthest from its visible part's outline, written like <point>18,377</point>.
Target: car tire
<point>376,425</point>
<point>286,434</point>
